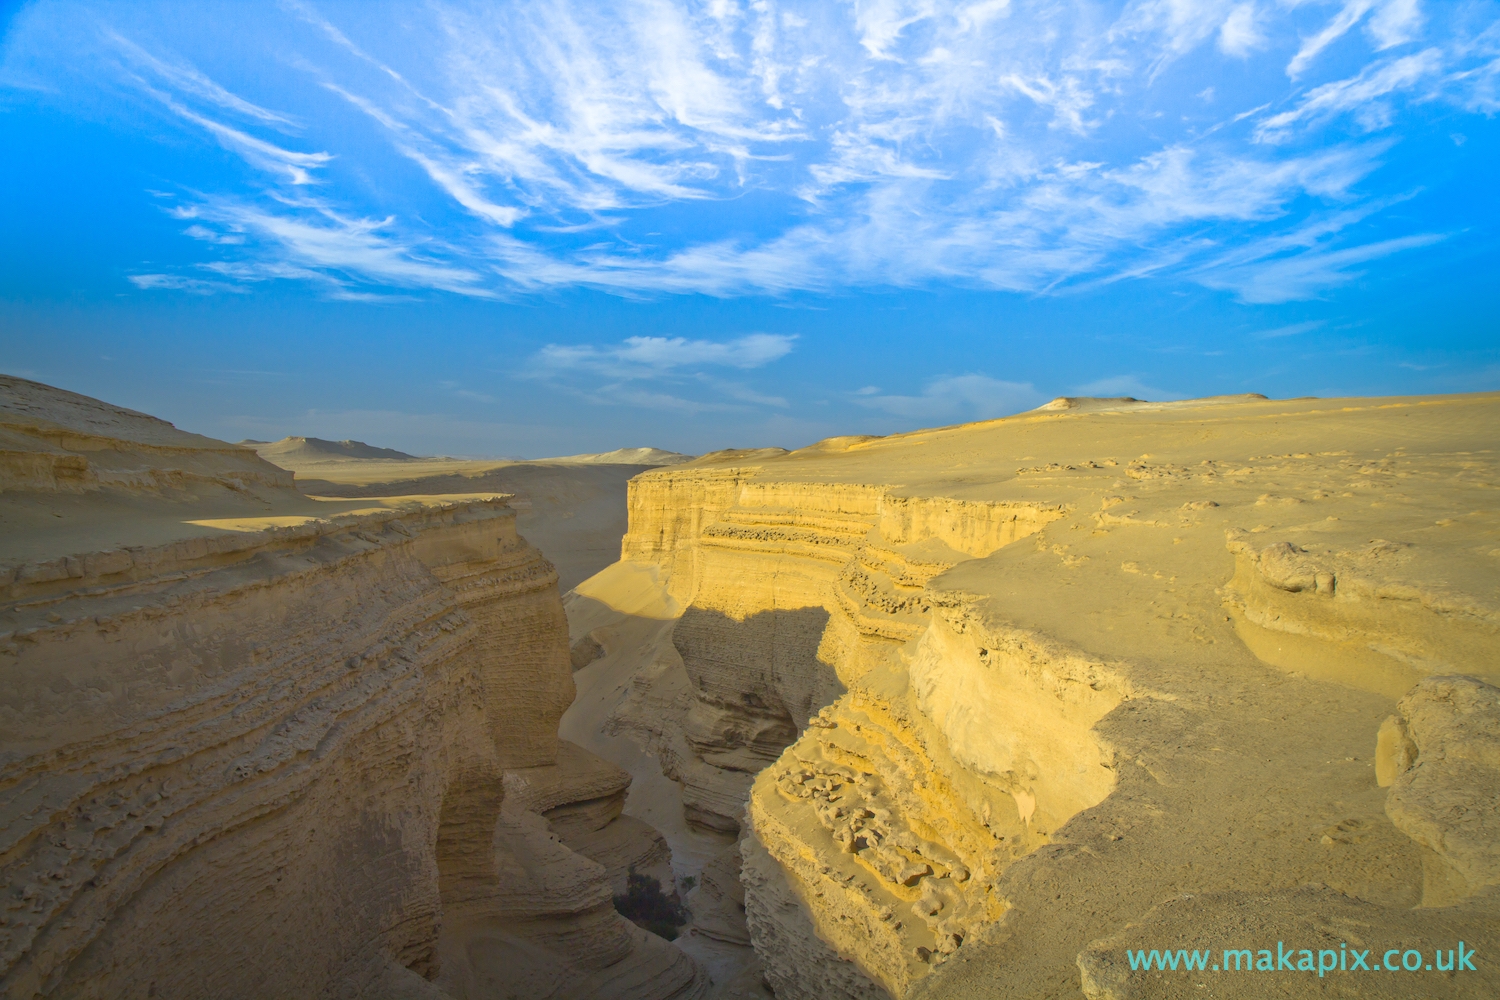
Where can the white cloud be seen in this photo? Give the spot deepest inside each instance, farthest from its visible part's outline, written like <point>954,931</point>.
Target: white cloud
<point>179,283</point>
<point>316,242</point>
<point>576,116</point>
<point>1241,34</point>
<point>1273,278</point>
<point>1066,97</point>
<point>1338,26</point>
<point>257,152</point>
<point>746,352</point>
<point>1359,94</point>
<point>189,85</point>
<point>466,194</point>
<point>1290,330</point>
<point>223,238</point>
<point>975,16</point>
<point>881,22</point>
<point>647,357</point>
<point>652,399</point>
<point>743,393</point>
<point>187,79</point>
<point>671,374</point>
<point>888,143</point>
<point>1125,385</point>
<point>970,397</point>
<point>1175,27</point>
<point>1395,23</point>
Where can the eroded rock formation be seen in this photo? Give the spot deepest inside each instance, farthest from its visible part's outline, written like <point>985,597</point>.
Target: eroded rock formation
<point>986,705</point>
<point>963,713</point>
<point>256,745</point>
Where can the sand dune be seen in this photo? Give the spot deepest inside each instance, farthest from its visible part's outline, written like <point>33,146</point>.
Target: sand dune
<point>295,450</point>
<point>624,456</point>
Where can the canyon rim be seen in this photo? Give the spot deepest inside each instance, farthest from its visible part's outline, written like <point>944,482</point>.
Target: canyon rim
<point>749,500</point>
<point>967,712</point>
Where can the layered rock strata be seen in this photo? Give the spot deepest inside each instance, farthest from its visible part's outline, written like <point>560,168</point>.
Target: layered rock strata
<point>254,745</point>
<point>980,701</point>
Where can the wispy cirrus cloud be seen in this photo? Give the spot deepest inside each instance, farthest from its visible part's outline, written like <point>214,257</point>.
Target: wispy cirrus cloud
<point>1349,14</point>
<point>648,357</point>
<point>1125,385</point>
<point>1265,277</point>
<point>178,86</point>
<point>313,241</point>
<point>257,152</point>
<point>974,396</point>
<point>1241,33</point>
<point>1363,95</point>
<point>897,143</point>
<point>1289,330</point>
<point>665,373</point>
<point>186,79</point>
<point>149,281</point>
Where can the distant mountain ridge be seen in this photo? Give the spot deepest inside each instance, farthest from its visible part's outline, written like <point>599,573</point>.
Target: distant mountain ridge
<point>309,450</point>
<point>623,456</point>
<point>316,448</point>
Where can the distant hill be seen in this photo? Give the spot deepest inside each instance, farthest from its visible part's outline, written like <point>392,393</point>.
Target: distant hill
<point>291,452</point>
<point>1094,403</point>
<point>624,456</point>
<point>313,449</point>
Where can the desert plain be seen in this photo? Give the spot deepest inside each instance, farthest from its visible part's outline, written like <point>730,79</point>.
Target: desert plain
<point>975,711</point>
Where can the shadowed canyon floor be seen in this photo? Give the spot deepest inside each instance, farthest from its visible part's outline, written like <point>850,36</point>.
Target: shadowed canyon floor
<point>968,712</point>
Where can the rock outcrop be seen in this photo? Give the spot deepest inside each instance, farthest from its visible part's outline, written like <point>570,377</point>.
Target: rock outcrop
<point>980,702</point>
<point>257,745</point>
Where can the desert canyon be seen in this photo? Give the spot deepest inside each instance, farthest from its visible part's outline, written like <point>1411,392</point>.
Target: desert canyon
<point>959,713</point>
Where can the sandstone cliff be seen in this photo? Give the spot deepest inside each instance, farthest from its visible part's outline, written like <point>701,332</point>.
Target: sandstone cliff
<point>256,745</point>
<point>987,705</point>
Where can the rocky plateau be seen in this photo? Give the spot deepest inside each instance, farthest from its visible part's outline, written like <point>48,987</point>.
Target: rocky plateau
<point>966,712</point>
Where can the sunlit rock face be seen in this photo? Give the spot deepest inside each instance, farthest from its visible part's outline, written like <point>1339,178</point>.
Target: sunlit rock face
<point>978,701</point>
<point>253,745</point>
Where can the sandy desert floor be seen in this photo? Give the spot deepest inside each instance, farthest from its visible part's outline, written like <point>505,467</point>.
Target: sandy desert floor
<point>572,508</point>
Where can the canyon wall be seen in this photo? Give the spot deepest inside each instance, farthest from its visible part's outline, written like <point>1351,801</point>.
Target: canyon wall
<point>257,745</point>
<point>987,705</point>
<point>967,712</point>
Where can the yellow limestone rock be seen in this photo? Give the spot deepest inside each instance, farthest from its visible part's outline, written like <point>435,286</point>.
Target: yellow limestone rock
<point>258,745</point>
<point>987,704</point>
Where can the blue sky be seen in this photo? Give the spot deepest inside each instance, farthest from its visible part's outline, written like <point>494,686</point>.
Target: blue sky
<point>539,228</point>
